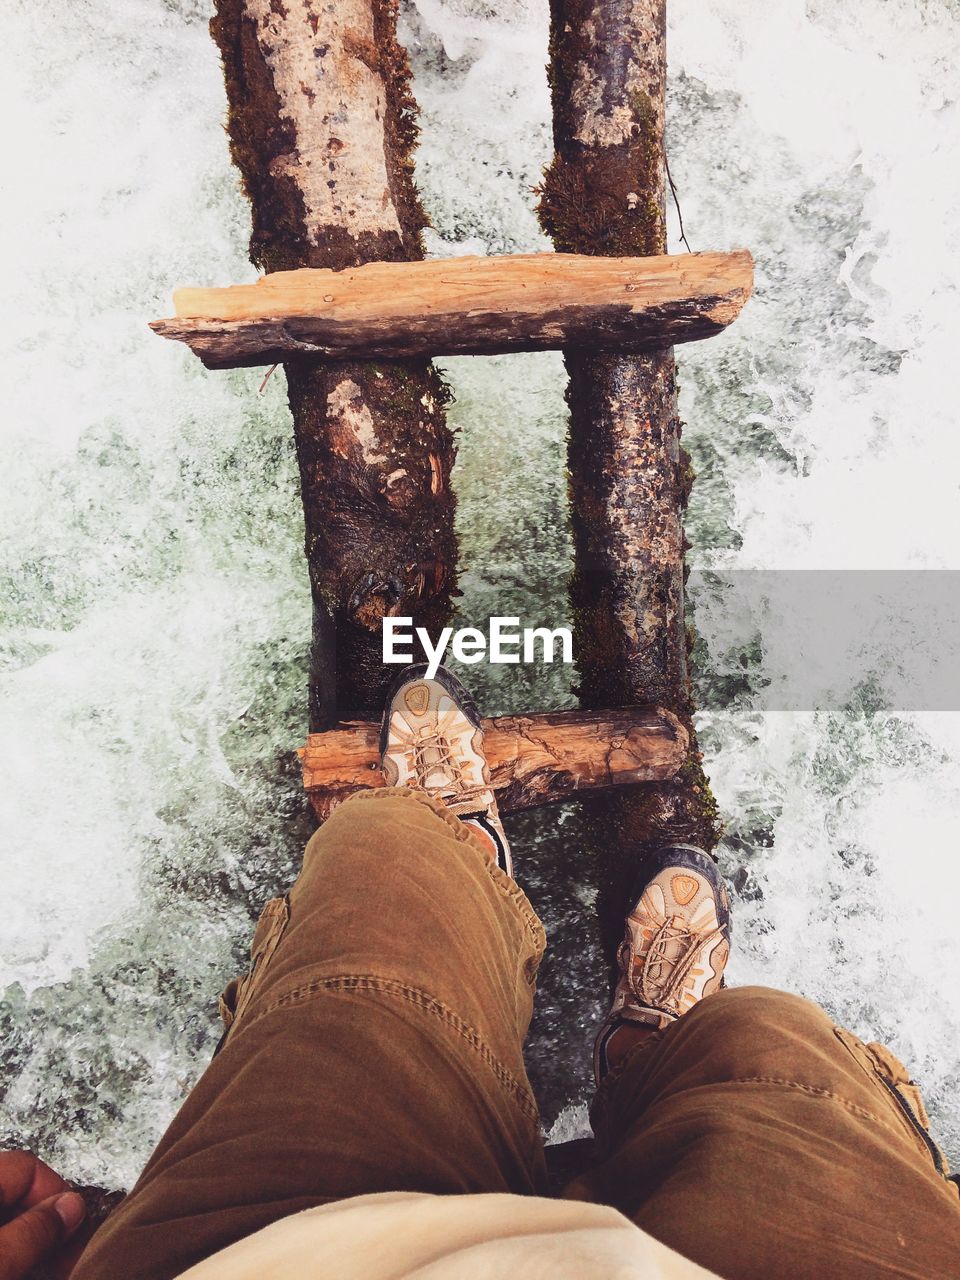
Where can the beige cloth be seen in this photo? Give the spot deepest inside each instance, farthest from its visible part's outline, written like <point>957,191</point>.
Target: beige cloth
<point>402,1236</point>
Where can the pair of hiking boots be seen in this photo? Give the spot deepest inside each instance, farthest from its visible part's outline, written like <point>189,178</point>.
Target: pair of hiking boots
<point>677,934</point>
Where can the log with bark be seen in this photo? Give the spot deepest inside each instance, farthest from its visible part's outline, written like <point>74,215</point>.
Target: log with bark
<point>604,194</point>
<point>463,306</point>
<point>534,759</point>
<point>322,126</point>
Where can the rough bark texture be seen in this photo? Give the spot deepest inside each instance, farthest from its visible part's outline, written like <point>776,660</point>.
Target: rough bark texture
<point>533,759</point>
<point>603,194</point>
<point>464,306</point>
<point>322,125</point>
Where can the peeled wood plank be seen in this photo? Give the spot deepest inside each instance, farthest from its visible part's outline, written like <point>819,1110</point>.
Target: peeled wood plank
<point>534,759</point>
<point>463,306</point>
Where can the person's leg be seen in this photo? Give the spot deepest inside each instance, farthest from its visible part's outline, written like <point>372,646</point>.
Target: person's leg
<point>759,1140</point>
<point>376,1045</point>
<point>750,1133</point>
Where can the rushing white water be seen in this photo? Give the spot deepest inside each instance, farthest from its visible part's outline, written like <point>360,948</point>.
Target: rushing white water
<point>154,602</point>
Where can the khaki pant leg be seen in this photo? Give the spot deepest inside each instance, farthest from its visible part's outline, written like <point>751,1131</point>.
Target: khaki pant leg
<point>759,1140</point>
<point>376,1045</point>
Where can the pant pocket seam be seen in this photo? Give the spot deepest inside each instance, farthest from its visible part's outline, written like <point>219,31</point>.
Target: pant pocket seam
<point>879,1075</point>
<point>366,984</point>
<point>271,926</point>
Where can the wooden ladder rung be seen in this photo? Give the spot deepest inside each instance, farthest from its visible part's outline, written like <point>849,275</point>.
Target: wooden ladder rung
<point>534,759</point>
<point>464,306</point>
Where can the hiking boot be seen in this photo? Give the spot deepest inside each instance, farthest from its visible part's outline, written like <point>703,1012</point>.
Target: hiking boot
<point>431,739</point>
<point>675,947</point>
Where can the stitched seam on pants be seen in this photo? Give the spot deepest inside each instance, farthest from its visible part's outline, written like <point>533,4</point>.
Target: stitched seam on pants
<point>814,1091</point>
<point>599,1116</point>
<point>367,983</point>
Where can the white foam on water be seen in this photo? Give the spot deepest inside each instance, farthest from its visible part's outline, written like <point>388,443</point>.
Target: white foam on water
<point>154,612</point>
<point>155,607</point>
<point>829,146</point>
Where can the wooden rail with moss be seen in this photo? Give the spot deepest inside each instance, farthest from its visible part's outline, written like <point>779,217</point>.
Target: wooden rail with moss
<point>534,759</point>
<point>464,306</point>
<point>604,193</point>
<point>322,127</point>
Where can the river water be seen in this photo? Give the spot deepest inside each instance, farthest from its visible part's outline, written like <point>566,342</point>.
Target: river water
<point>154,608</point>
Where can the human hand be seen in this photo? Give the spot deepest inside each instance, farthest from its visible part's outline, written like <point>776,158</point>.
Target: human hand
<point>39,1214</point>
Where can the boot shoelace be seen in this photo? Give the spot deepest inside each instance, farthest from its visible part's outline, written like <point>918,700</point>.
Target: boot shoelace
<point>662,976</point>
<point>433,752</point>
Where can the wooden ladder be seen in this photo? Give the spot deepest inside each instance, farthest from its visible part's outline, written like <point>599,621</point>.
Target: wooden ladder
<point>375,469</point>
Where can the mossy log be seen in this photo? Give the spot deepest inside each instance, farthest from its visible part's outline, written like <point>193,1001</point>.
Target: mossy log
<point>322,126</point>
<point>534,759</point>
<point>604,194</point>
<point>464,306</point>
